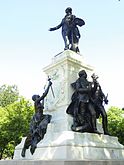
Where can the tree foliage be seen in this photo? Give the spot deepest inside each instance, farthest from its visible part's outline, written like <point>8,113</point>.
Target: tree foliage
<point>15,115</point>
<point>8,94</point>
<point>116,123</point>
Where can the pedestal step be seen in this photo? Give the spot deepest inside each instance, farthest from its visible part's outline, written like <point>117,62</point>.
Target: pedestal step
<point>75,162</point>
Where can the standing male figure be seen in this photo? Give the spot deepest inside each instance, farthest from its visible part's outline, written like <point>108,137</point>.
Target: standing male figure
<point>98,97</point>
<point>39,122</point>
<point>70,31</point>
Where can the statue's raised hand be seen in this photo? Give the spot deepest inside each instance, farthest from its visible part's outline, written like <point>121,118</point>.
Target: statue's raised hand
<point>51,29</point>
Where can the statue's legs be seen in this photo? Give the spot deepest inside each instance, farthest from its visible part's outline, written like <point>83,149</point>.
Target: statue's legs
<point>75,48</point>
<point>26,144</point>
<point>104,120</point>
<point>74,44</point>
<point>82,119</point>
<point>92,112</point>
<point>71,41</point>
<point>40,132</point>
<point>66,41</point>
<point>36,139</point>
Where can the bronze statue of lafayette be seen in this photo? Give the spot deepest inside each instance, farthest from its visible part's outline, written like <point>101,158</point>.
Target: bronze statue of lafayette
<point>39,122</point>
<point>70,31</point>
<point>87,105</point>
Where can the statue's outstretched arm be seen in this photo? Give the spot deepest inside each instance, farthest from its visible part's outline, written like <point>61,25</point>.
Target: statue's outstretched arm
<point>56,27</point>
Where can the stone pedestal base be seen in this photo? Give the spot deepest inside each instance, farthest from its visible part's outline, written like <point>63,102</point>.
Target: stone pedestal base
<point>74,162</point>
<point>75,146</point>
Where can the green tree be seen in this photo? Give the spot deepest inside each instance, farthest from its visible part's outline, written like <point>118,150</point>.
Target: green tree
<point>116,123</point>
<point>8,94</point>
<point>15,115</point>
<point>15,125</point>
<point>3,133</point>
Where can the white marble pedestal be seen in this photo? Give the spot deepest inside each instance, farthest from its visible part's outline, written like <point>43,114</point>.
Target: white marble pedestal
<point>75,146</point>
<point>60,143</point>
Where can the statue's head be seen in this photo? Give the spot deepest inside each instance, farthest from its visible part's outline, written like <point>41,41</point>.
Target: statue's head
<point>68,10</point>
<point>82,73</point>
<point>35,97</point>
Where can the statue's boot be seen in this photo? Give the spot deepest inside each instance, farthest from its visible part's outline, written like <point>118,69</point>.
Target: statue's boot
<point>32,149</point>
<point>66,48</point>
<point>94,126</point>
<point>105,129</point>
<point>23,152</point>
<point>104,125</point>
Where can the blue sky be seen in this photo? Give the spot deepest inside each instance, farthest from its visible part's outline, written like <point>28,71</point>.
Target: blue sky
<point>26,45</point>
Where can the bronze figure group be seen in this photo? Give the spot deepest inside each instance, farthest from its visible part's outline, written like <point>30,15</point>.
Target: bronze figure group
<point>87,105</point>
<point>85,108</point>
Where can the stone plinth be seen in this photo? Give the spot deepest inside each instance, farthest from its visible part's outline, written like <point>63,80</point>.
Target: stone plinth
<point>64,162</point>
<point>60,143</point>
<point>75,146</point>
